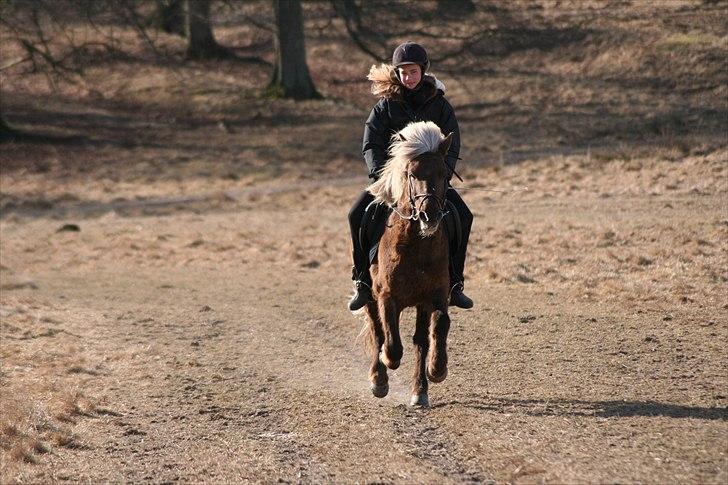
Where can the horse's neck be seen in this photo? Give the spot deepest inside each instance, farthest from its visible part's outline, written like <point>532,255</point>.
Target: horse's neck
<point>406,230</point>
<point>413,250</point>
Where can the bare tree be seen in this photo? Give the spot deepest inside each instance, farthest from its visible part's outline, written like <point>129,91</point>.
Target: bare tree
<point>201,43</point>
<point>465,31</point>
<point>366,39</point>
<point>169,17</point>
<point>43,29</point>
<point>291,78</point>
<point>6,133</point>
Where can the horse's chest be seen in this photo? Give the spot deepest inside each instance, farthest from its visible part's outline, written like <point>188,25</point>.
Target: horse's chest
<point>415,258</point>
<point>422,260</point>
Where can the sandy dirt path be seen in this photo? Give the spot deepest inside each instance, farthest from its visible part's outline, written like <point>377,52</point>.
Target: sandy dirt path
<point>216,347</point>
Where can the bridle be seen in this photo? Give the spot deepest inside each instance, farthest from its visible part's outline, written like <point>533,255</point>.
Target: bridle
<point>417,200</point>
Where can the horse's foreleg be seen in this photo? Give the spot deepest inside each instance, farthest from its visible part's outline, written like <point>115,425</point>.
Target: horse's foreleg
<point>421,345</point>
<point>375,339</point>
<point>392,350</point>
<point>437,364</point>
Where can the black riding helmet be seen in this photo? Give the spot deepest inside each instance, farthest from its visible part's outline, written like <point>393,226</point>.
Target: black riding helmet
<point>411,53</point>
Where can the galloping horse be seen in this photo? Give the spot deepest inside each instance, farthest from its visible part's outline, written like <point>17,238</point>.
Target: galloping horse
<point>412,260</point>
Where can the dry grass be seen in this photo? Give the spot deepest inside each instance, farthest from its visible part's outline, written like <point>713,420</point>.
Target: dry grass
<point>156,130</point>
<point>34,424</point>
<point>614,259</point>
<point>41,403</point>
<point>631,109</point>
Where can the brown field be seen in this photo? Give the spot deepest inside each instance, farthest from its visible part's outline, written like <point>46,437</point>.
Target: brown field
<point>194,327</point>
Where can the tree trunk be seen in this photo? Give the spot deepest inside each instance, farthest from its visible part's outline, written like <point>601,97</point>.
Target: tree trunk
<point>455,8</point>
<point>6,133</point>
<point>201,44</point>
<point>291,78</point>
<point>169,17</point>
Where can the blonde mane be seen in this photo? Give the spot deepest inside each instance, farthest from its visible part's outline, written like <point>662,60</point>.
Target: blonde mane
<point>413,140</point>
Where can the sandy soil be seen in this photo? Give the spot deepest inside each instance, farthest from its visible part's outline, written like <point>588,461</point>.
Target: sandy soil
<point>174,264</point>
<point>216,346</point>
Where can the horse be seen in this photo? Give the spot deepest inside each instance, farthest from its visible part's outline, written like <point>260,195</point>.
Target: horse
<point>411,268</point>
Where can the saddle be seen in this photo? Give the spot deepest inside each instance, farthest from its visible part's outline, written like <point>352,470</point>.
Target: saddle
<point>375,219</point>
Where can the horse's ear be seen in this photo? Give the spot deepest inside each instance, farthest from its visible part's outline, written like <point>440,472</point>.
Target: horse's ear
<point>445,145</point>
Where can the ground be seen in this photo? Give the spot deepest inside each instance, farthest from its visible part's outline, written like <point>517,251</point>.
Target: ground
<point>174,275</point>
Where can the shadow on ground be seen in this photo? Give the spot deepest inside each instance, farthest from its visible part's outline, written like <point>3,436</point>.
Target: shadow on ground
<point>576,407</point>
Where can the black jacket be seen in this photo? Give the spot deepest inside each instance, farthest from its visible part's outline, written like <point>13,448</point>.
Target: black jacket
<point>394,112</point>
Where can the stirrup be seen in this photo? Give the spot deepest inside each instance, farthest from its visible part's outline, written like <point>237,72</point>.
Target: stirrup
<point>362,295</point>
<point>458,298</point>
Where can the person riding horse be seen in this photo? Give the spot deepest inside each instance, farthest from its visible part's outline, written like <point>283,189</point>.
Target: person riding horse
<point>407,94</point>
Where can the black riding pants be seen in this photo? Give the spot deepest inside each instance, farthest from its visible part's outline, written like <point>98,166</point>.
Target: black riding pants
<point>361,260</point>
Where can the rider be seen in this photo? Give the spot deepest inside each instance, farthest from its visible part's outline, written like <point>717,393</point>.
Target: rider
<point>407,94</point>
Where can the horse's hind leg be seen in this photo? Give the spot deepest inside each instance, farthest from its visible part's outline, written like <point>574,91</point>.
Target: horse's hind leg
<point>439,327</point>
<point>392,350</point>
<point>375,339</point>
<point>421,345</point>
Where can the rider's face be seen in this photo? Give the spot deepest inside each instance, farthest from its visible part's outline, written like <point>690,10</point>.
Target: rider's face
<point>410,75</point>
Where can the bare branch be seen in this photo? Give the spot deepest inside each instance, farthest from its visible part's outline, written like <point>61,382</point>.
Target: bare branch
<point>268,27</point>
<point>349,12</point>
<point>14,62</point>
<point>133,17</point>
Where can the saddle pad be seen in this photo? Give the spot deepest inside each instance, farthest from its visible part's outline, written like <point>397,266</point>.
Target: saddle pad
<point>372,227</point>
<point>453,227</point>
<point>375,219</point>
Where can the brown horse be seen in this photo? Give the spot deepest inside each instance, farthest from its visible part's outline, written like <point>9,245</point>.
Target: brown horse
<point>412,260</point>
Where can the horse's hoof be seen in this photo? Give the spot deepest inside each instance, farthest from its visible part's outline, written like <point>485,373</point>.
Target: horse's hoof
<point>420,400</point>
<point>380,390</point>
<point>391,364</point>
<point>437,377</point>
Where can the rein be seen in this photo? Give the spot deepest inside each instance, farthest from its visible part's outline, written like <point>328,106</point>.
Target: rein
<point>481,189</point>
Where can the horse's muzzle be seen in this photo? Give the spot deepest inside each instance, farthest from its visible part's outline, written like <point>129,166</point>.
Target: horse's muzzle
<point>429,223</point>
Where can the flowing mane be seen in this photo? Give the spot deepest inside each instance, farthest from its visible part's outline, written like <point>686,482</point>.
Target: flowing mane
<point>413,140</point>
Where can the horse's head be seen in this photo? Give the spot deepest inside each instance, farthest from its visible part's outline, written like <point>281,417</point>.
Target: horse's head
<point>414,179</point>
<point>426,186</point>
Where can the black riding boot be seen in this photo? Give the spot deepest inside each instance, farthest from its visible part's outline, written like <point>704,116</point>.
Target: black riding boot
<point>457,255</point>
<point>458,298</point>
<point>360,270</point>
<point>362,290</point>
